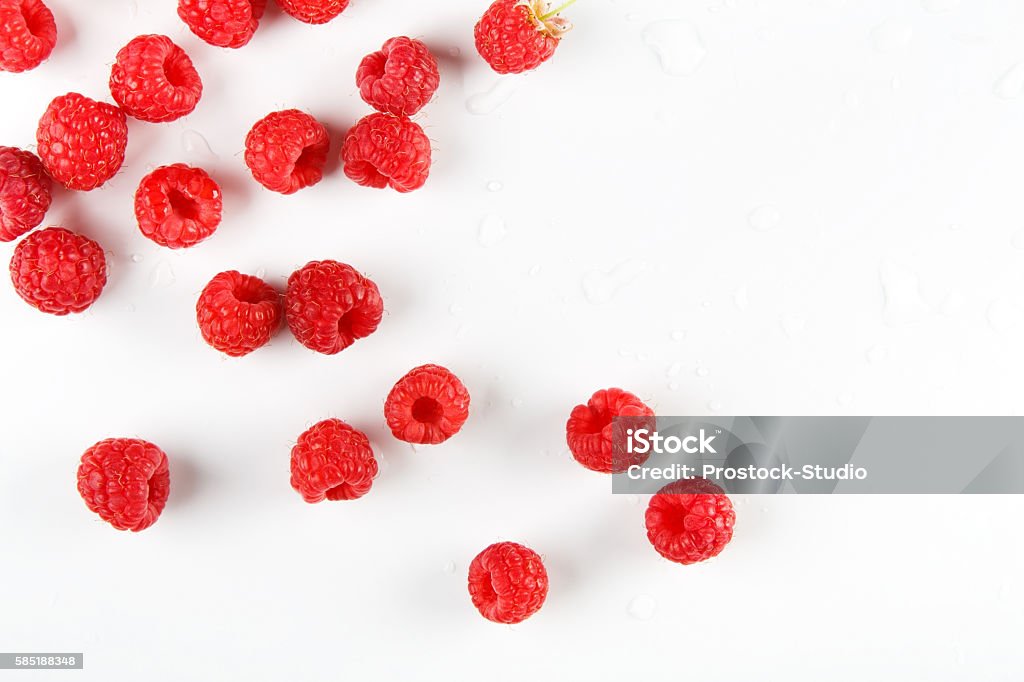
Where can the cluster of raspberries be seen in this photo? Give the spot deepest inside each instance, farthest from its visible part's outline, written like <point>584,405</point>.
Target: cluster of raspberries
<point>327,305</point>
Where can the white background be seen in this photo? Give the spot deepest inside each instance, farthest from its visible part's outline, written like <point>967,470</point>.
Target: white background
<point>802,207</point>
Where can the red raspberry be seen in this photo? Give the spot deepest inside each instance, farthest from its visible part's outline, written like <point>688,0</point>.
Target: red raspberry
<point>222,23</point>
<point>518,35</point>
<point>28,34</point>
<point>238,313</point>
<point>57,271</point>
<point>590,430</point>
<point>382,150</point>
<point>82,141</point>
<point>332,461</point>
<point>287,150</point>
<point>178,206</point>
<point>399,78</point>
<point>126,481</point>
<point>690,520</point>
<point>329,305</point>
<point>24,193</point>
<point>427,406</point>
<point>154,80</point>
<point>508,582</point>
<point>313,11</point>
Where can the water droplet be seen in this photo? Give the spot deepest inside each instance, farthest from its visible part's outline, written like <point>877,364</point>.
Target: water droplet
<point>764,218</point>
<point>534,270</point>
<point>130,308</point>
<point>903,302</point>
<point>1018,240</point>
<point>602,286</point>
<point>955,227</point>
<point>494,186</point>
<point>1011,84</point>
<point>136,257</point>
<point>633,499</point>
<point>852,98</point>
<point>844,398</point>
<point>677,45</point>
<point>1003,315</point>
<point>625,353</point>
<point>643,356</point>
<point>673,385</point>
<point>705,304</point>
<point>517,402</point>
<point>896,83</point>
<point>875,354</point>
<point>455,309</point>
<point>892,35</point>
<point>740,298</point>
<point>492,230</point>
<point>261,273</point>
<point>677,335</point>
<point>674,369</point>
<point>449,568</point>
<point>454,51</point>
<point>462,331</point>
<point>939,6</point>
<point>715,406</point>
<point>702,372</point>
<point>162,275</point>
<point>195,145</point>
<point>793,325</point>
<point>642,607</point>
<point>486,102</point>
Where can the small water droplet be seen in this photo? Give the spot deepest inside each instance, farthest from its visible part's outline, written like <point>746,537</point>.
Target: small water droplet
<point>162,275</point>
<point>740,298</point>
<point>677,335</point>
<point>715,405</point>
<point>602,286</point>
<point>130,308</point>
<point>633,499</point>
<point>1003,315</point>
<point>1011,84</point>
<point>517,402</point>
<point>896,83</point>
<point>483,103</point>
<point>903,302</point>
<point>955,227</point>
<point>642,607</point>
<point>534,270</point>
<point>764,218</point>
<point>702,371</point>
<point>462,331</point>
<point>492,230</point>
<point>449,568</point>
<point>261,273</point>
<point>677,45</point>
<point>793,325</point>
<point>673,385</point>
<point>454,51</point>
<point>674,369</point>
<point>625,353</point>
<point>196,145</point>
<point>892,35</point>
<point>852,98</point>
<point>136,257</point>
<point>939,6</point>
<point>875,354</point>
<point>494,186</point>
<point>844,398</point>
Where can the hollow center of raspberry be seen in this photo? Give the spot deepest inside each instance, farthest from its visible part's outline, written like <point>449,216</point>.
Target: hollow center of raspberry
<point>183,206</point>
<point>33,21</point>
<point>176,72</point>
<point>597,421</point>
<point>246,293</point>
<point>308,159</point>
<point>426,410</point>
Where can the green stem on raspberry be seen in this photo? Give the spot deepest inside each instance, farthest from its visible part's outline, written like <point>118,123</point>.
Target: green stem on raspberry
<point>548,15</point>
